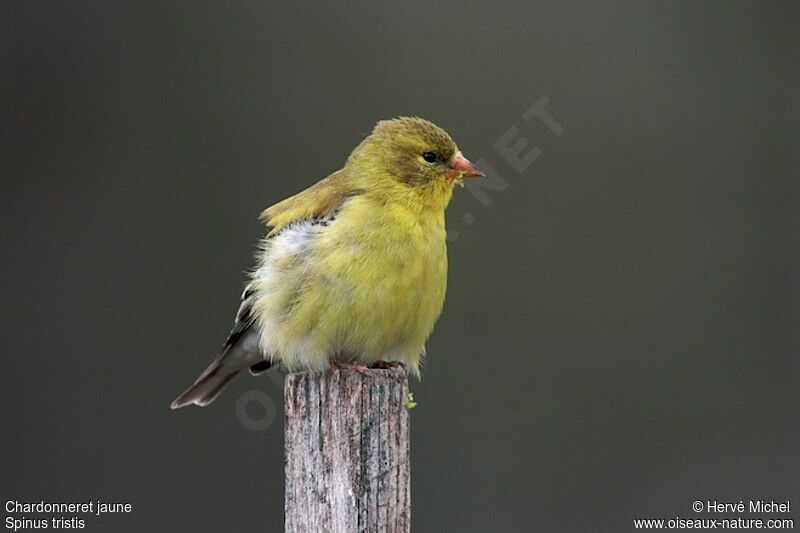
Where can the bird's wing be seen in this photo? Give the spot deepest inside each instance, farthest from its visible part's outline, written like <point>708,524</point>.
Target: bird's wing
<point>244,317</point>
<point>241,327</point>
<point>319,201</point>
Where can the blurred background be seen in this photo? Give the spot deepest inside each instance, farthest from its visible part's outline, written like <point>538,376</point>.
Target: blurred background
<point>620,336</point>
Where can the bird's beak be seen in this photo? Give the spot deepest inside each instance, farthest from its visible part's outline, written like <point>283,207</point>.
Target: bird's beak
<point>460,167</point>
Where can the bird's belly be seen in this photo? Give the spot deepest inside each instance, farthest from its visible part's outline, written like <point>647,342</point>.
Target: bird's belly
<point>361,299</point>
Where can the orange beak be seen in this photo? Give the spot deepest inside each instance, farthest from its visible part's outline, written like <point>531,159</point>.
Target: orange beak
<point>460,167</point>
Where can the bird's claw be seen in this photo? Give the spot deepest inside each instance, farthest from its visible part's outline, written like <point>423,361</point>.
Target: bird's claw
<point>359,367</point>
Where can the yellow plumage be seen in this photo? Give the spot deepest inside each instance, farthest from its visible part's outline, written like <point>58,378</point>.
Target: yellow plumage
<point>369,288</point>
<point>354,268</point>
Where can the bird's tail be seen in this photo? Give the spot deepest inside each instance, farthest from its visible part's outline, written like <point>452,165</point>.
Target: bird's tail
<point>210,383</point>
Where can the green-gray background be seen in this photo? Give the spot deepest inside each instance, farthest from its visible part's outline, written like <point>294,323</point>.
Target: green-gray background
<point>620,336</point>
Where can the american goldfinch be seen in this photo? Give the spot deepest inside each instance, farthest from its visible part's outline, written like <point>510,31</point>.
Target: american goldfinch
<point>353,270</point>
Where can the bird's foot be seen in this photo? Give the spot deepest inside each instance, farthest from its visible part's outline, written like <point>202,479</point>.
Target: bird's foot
<point>388,364</point>
<point>358,366</point>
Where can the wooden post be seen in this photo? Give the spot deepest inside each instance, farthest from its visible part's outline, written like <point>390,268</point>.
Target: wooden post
<point>348,451</point>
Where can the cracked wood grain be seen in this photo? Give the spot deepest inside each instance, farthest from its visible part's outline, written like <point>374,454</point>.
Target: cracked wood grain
<point>347,452</point>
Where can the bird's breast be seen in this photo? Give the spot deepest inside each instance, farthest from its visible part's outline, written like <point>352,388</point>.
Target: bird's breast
<point>370,285</point>
<point>391,261</point>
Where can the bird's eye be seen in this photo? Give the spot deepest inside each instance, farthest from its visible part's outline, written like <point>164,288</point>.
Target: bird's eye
<point>430,157</point>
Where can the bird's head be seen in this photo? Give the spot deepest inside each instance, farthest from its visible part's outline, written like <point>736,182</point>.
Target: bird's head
<point>414,153</point>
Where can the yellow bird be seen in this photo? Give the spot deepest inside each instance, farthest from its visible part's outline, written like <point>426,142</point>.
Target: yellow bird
<point>353,269</point>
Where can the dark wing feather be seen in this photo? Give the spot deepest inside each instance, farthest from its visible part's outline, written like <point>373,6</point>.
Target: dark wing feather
<point>241,326</point>
<point>244,317</point>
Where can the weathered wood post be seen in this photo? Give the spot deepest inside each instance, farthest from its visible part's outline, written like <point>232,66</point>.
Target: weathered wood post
<point>348,451</point>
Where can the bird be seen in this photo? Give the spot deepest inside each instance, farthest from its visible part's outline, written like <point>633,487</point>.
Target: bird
<point>352,271</point>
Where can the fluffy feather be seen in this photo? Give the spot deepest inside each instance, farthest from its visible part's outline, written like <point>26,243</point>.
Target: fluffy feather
<point>354,267</point>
